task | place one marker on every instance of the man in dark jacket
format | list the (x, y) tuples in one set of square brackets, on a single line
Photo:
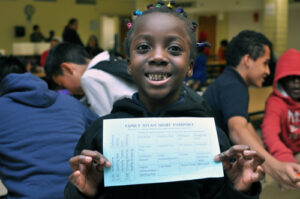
[(70, 32)]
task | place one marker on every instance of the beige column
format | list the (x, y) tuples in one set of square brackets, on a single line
[(276, 23)]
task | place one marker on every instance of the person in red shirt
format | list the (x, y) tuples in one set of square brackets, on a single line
[(281, 124), (54, 41), (203, 37)]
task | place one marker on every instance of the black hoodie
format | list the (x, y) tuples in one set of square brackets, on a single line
[(192, 106)]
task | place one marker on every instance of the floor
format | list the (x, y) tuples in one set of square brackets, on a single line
[(271, 189)]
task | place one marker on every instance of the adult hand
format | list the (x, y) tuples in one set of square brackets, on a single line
[(88, 171), (242, 165), (285, 173)]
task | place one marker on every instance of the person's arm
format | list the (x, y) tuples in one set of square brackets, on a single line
[(284, 173), (253, 132), (271, 129)]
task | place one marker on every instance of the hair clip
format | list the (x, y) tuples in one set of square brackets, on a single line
[(203, 44), (171, 4), (150, 6), (159, 3), (137, 12), (129, 25), (179, 10)]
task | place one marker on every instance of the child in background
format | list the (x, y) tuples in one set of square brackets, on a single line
[(222, 50), (160, 46), (198, 79), (281, 124), (54, 41)]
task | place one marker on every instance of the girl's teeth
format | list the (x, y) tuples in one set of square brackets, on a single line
[(157, 77)]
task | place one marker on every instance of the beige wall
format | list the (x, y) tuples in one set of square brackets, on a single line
[(293, 38), (239, 21), (54, 16)]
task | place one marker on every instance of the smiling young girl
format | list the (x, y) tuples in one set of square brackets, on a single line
[(161, 47)]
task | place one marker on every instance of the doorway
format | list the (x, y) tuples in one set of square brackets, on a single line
[(207, 25)]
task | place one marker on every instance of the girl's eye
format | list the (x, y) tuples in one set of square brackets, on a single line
[(175, 50), (143, 48)]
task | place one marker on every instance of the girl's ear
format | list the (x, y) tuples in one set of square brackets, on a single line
[(128, 66), (190, 69), (67, 68)]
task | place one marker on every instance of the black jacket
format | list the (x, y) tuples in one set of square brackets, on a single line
[(70, 35), (213, 188)]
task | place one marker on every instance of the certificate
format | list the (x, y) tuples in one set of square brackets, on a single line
[(154, 150)]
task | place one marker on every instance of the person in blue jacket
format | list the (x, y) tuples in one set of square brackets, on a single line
[(39, 129)]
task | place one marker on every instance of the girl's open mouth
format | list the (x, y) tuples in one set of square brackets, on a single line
[(157, 76)]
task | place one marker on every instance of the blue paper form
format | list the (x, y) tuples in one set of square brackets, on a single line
[(153, 150)]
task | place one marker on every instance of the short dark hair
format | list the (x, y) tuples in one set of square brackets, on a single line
[(9, 65), (35, 27), (64, 52), (224, 42), (246, 42), (72, 21), (164, 9)]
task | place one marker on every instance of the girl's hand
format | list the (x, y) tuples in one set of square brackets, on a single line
[(88, 171), (242, 165)]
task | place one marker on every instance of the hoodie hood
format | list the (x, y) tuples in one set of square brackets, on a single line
[(288, 64), (27, 89)]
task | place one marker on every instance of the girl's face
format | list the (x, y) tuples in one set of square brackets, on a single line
[(160, 59)]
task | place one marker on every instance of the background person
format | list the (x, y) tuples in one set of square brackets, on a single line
[(39, 129), (281, 123), (54, 41), (248, 57), (37, 36), (103, 80), (70, 32), (92, 46)]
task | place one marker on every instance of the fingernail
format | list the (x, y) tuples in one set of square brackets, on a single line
[(88, 158), (217, 158), (248, 152)]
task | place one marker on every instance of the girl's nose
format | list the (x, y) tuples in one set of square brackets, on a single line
[(158, 57)]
